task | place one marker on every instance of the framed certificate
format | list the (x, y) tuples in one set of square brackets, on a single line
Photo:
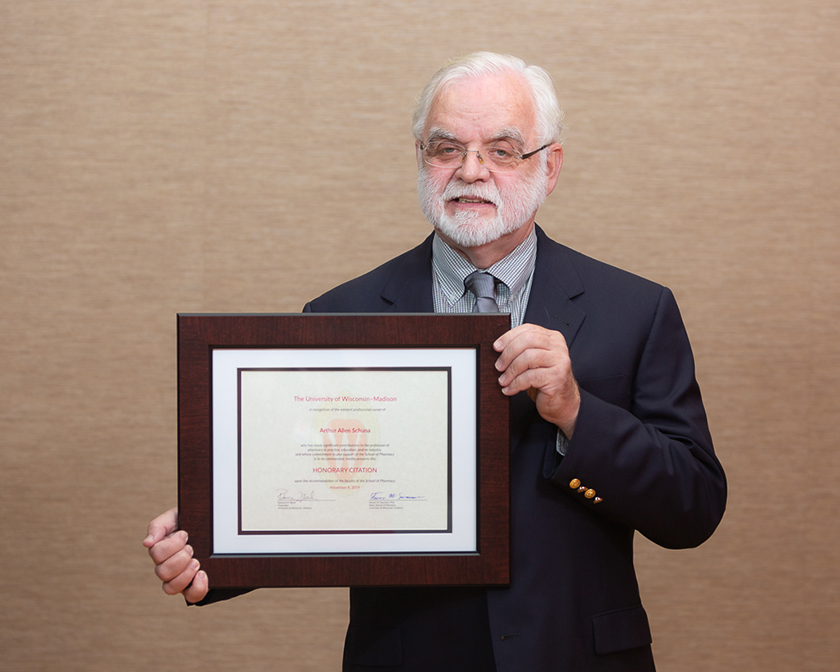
[(337, 450)]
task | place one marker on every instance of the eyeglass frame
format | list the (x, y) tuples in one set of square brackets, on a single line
[(520, 157)]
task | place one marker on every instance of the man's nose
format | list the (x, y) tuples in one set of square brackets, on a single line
[(472, 169)]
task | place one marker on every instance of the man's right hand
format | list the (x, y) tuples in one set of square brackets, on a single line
[(173, 558)]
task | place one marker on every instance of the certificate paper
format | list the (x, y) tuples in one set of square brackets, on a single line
[(344, 450)]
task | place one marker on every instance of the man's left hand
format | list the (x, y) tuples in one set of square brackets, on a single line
[(537, 360)]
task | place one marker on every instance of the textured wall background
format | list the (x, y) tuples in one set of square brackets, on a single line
[(205, 155)]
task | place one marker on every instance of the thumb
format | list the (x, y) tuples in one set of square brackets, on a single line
[(165, 524)]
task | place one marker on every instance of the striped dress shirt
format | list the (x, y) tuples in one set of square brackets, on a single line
[(515, 273)]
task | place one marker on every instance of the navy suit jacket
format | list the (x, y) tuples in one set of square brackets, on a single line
[(641, 442)]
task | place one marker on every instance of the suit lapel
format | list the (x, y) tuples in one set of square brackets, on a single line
[(409, 290), (555, 284)]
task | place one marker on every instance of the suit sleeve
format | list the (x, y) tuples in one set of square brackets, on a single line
[(651, 465), (219, 595)]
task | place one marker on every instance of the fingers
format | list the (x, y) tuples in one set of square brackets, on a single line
[(541, 369), (180, 574), (531, 357), (536, 360), (181, 580), (162, 526), (169, 548), (523, 337), (198, 589), (175, 565)]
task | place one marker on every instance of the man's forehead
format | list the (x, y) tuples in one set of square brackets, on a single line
[(490, 106)]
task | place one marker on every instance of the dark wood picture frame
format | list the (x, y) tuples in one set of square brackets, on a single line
[(200, 334)]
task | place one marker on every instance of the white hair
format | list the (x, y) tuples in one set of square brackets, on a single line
[(549, 121)]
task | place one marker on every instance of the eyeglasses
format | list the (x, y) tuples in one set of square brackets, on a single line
[(499, 157)]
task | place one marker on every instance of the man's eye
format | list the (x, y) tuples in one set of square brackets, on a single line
[(501, 153), (447, 150)]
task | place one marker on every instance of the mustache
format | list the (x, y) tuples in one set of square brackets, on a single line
[(484, 191)]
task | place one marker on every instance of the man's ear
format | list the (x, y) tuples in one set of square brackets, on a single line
[(553, 165), (418, 154)]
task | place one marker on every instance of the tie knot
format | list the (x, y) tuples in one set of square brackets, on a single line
[(483, 287)]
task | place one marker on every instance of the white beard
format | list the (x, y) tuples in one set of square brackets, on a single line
[(514, 209)]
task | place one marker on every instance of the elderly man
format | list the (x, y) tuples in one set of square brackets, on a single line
[(608, 430)]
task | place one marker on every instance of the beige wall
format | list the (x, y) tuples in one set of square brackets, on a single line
[(197, 155)]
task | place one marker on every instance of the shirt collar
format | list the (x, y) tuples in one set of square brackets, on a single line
[(514, 270)]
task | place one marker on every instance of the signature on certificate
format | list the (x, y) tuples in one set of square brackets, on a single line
[(286, 495), (395, 496)]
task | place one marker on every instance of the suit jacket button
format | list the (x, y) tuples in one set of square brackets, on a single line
[(589, 494), (598, 500), (574, 483)]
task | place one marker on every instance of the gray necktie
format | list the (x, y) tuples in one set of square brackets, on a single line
[(483, 286)]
